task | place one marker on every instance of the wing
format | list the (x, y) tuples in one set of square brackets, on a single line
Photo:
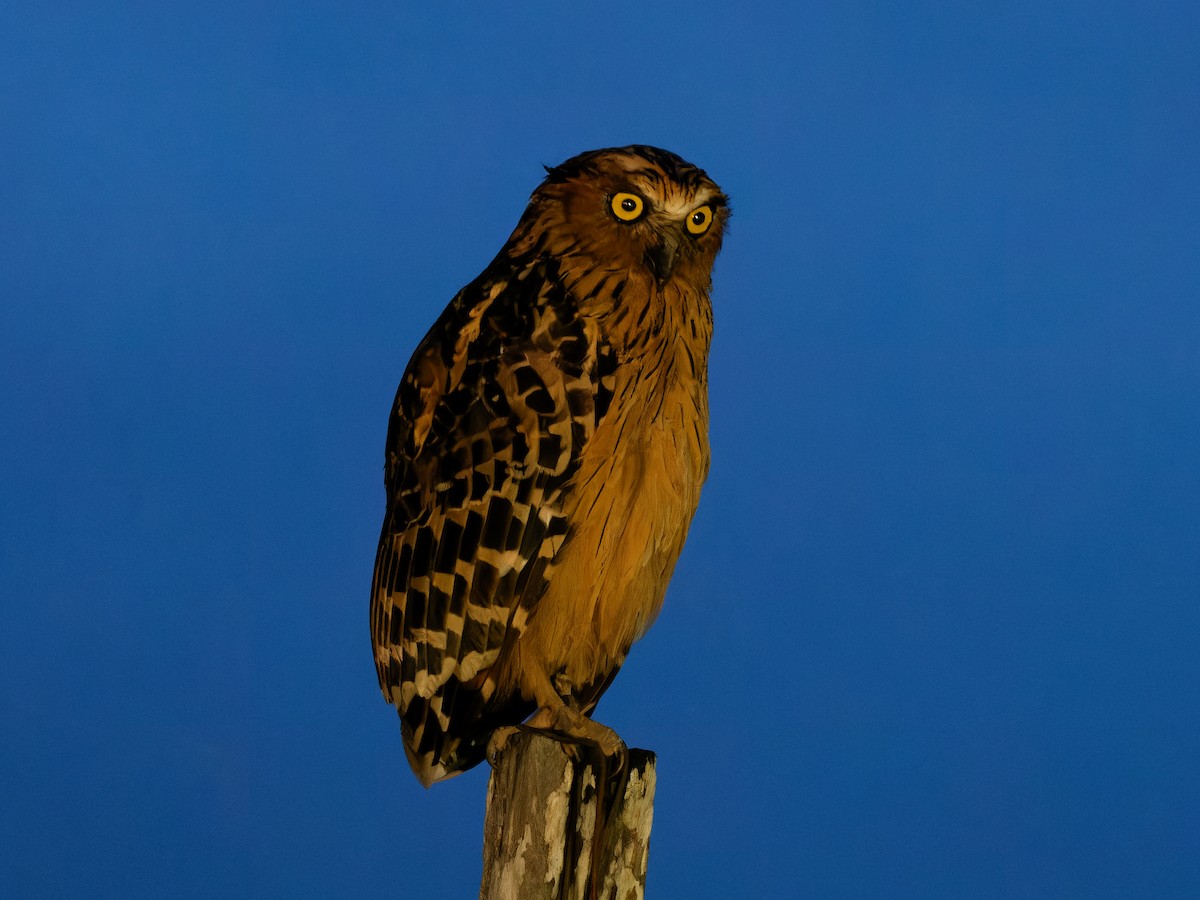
[(485, 437)]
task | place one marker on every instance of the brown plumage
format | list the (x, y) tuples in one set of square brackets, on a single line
[(545, 456)]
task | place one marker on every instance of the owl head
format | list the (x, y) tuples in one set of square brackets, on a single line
[(637, 209)]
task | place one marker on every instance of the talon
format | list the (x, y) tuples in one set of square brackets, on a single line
[(573, 723), (498, 742)]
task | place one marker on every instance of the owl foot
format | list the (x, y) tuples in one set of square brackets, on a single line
[(564, 722), (568, 720), (498, 742)]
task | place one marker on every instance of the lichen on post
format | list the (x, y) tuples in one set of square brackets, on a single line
[(546, 817)]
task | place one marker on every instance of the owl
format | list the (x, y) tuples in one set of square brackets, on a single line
[(544, 459)]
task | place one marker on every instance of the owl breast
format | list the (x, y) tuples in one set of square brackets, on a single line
[(637, 489)]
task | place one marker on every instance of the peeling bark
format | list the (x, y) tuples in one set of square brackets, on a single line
[(541, 823)]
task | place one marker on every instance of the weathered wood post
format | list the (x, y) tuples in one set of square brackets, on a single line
[(540, 831)]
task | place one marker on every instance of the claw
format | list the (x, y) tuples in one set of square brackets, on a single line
[(570, 721), (498, 741)]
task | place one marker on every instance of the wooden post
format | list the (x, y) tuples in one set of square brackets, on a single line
[(539, 831)]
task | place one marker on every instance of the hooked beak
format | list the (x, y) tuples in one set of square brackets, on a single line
[(660, 259)]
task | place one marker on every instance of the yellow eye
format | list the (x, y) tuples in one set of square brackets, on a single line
[(627, 207), (699, 220)]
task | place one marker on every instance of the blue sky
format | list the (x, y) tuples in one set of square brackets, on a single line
[(935, 630)]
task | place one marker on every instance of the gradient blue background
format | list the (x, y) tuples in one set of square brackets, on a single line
[(935, 633)]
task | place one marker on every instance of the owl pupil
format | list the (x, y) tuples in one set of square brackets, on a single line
[(628, 205), (698, 218)]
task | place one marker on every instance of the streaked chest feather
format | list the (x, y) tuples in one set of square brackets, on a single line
[(636, 492)]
